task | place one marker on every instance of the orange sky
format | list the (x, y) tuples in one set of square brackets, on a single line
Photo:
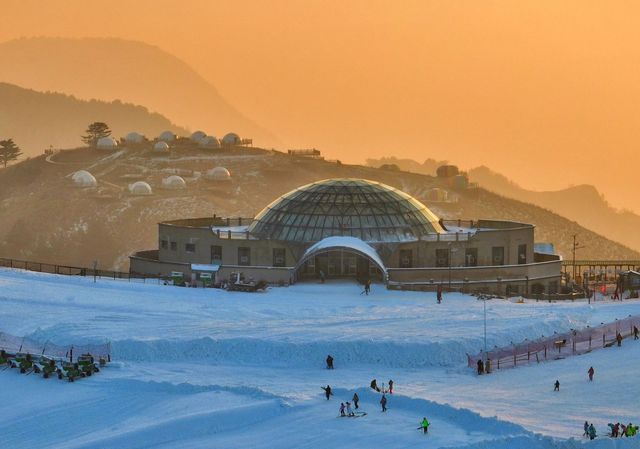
[(546, 92)]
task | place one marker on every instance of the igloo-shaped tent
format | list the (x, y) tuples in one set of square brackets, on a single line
[(107, 143), (161, 146), (231, 139), (140, 188), (134, 137), (219, 174), (83, 178), (174, 182), (197, 136), (209, 142), (167, 136)]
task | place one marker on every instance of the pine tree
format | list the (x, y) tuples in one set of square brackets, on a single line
[(9, 151), (95, 132)]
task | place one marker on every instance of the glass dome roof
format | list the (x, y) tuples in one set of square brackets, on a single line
[(368, 210)]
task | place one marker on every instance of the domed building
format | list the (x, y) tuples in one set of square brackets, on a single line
[(218, 174), (231, 139), (209, 142), (161, 146), (197, 136), (134, 137), (83, 178), (356, 228), (140, 188), (174, 182), (167, 136), (107, 143)]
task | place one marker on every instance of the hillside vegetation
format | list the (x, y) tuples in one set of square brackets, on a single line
[(39, 120), (45, 217)]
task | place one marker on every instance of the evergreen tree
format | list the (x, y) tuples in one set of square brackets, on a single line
[(95, 132), (9, 151)]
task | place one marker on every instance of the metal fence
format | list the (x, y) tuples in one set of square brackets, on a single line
[(12, 344), (43, 267), (556, 346)]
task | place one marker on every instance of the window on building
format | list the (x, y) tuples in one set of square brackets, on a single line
[(497, 255), (164, 244), (522, 254), (216, 254), (244, 256), (279, 258), (190, 247), (442, 257), (174, 246), (406, 258), (471, 257)]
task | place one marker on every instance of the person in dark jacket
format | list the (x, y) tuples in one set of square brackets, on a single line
[(556, 386), (635, 332), (327, 391), (355, 400), (619, 339), (383, 403), (591, 372), (374, 385), (480, 367), (390, 386), (329, 362)]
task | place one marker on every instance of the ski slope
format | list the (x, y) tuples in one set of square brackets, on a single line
[(200, 368)]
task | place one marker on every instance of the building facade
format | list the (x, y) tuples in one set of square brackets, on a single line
[(360, 229)]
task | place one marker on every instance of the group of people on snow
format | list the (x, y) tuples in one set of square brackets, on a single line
[(383, 390), (620, 430)]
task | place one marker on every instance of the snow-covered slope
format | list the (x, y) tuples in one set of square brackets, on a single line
[(213, 369)]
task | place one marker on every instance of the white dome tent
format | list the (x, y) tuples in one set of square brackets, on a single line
[(209, 142), (83, 178), (197, 136), (134, 137), (107, 143), (167, 136), (231, 139), (161, 146), (219, 174), (174, 182), (140, 188)]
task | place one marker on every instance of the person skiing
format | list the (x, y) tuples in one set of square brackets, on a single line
[(329, 362), (556, 386), (327, 391), (619, 339), (390, 386), (425, 425), (342, 409), (586, 429), (355, 400), (374, 385), (635, 332), (480, 367), (367, 287), (591, 372), (349, 411), (592, 432), (615, 430), (439, 293), (383, 403)]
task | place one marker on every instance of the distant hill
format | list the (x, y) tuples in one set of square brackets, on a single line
[(44, 217), (582, 203), (37, 120), (115, 69)]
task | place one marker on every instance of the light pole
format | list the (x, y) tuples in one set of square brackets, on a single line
[(484, 306), (451, 251)]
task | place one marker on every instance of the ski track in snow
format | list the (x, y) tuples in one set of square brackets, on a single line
[(208, 369)]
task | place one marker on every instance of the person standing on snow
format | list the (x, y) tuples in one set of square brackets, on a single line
[(635, 332), (329, 362), (592, 432), (349, 411), (383, 403), (367, 287), (355, 400), (619, 339), (342, 409), (591, 372), (480, 367), (390, 386), (425, 425), (556, 386), (586, 429), (439, 293), (327, 391)]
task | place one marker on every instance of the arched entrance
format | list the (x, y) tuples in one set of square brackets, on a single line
[(340, 257)]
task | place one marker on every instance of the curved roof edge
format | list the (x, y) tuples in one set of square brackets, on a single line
[(344, 242)]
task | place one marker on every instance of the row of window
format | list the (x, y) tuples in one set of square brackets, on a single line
[(244, 253), (470, 256)]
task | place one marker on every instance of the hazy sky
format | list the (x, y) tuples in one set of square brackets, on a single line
[(547, 92)]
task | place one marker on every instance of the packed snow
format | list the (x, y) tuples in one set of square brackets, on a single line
[(206, 368)]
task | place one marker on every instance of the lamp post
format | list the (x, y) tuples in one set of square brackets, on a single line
[(451, 251), (484, 307)]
